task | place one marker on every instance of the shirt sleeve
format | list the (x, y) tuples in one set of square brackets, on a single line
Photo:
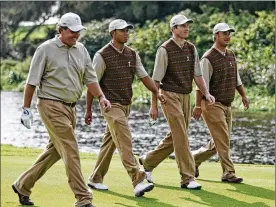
[(160, 65), (90, 75), (37, 66), (239, 82), (197, 69), (140, 70), (207, 71), (99, 65)]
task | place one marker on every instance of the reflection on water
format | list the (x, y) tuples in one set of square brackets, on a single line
[(252, 137)]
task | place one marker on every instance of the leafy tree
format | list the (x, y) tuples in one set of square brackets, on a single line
[(14, 12)]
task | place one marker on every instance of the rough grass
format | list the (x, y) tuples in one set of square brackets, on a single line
[(52, 189)]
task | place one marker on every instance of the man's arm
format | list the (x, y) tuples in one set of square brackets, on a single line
[(94, 89), (150, 85), (28, 95), (197, 110), (27, 117), (245, 100), (88, 113), (202, 87)]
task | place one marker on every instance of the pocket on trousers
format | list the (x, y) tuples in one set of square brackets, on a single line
[(214, 113)]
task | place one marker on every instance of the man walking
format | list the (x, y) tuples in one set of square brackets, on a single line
[(59, 68), (222, 78), (116, 65), (176, 66)]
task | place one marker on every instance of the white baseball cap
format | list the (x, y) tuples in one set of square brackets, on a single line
[(178, 20), (72, 21), (222, 27), (119, 24)]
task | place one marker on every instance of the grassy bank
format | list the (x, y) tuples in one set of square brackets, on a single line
[(52, 189)]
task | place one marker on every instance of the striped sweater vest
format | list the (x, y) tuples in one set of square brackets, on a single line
[(118, 77), (180, 70), (224, 78)]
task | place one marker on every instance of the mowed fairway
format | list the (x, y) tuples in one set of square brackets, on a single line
[(52, 190)]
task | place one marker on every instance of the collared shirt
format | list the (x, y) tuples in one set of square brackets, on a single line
[(100, 66), (207, 70), (161, 63), (60, 72)]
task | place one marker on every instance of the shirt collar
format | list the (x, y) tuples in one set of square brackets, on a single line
[(181, 46), (120, 51), (223, 53)]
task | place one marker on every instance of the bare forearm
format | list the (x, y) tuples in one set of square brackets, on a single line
[(198, 98), (153, 87), (89, 101), (241, 91), (95, 90), (28, 95), (200, 82), (154, 96), (149, 83)]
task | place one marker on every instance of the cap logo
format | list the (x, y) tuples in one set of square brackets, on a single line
[(77, 20)]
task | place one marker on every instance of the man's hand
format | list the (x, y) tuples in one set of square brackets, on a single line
[(88, 117), (210, 99), (161, 98), (245, 102), (105, 104), (27, 117), (153, 112), (197, 113)]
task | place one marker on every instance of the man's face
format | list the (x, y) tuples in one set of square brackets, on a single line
[(223, 38), (69, 37), (181, 31), (121, 35)]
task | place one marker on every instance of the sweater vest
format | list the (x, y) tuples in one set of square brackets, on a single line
[(224, 78), (118, 77), (180, 70)]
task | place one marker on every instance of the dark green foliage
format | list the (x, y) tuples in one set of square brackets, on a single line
[(14, 74), (253, 41), (96, 36)]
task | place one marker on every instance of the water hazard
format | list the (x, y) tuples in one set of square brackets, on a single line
[(253, 135)]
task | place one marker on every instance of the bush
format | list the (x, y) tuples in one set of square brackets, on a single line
[(14, 74), (96, 36)]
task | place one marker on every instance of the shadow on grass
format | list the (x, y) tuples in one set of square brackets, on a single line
[(213, 199), (247, 189), (141, 201)]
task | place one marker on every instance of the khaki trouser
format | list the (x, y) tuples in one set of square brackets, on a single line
[(60, 121), (177, 111), (219, 121), (118, 136)]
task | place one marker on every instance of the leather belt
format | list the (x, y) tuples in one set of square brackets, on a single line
[(67, 104)]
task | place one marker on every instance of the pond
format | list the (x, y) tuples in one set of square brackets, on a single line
[(253, 134)]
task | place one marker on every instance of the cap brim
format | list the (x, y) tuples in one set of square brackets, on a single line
[(77, 28), (225, 30), (183, 22), (129, 26)]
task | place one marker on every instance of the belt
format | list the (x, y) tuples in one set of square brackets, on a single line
[(67, 104)]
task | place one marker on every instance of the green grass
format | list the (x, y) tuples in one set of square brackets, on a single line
[(52, 189)]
